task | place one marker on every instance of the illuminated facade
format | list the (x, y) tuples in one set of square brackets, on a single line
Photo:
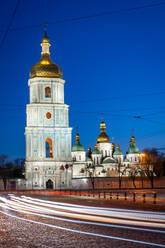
[(104, 160), (51, 163), (48, 135)]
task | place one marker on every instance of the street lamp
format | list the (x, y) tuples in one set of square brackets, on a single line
[(142, 156)]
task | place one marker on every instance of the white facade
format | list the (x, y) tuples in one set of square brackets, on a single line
[(48, 135), (104, 160), (79, 156), (50, 164), (105, 149), (133, 158)]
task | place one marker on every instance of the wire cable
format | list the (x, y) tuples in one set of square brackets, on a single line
[(10, 23), (105, 13), (117, 97)]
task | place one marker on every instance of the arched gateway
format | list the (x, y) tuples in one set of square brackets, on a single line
[(49, 184)]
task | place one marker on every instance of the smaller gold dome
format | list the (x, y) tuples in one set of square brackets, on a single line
[(45, 67), (103, 137), (132, 141), (89, 149), (118, 147), (96, 146), (77, 137), (113, 146)]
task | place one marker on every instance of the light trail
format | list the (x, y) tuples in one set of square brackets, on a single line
[(82, 222), (85, 217), (131, 216), (47, 210), (91, 207), (82, 232), (34, 208), (107, 211), (92, 217)]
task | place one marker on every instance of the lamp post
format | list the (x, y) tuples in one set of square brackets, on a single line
[(66, 167), (61, 169), (142, 156)]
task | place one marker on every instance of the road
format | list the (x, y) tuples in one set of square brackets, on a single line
[(33, 222)]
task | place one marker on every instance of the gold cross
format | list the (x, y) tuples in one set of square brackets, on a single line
[(45, 26)]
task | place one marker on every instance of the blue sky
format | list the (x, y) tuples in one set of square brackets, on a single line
[(111, 63)]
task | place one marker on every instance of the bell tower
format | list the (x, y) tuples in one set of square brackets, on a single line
[(48, 135)]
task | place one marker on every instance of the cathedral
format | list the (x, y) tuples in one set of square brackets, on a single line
[(51, 161), (104, 160)]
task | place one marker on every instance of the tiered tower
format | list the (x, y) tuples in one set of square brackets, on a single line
[(48, 135)]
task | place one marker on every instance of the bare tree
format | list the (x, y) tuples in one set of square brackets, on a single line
[(5, 174), (10, 170), (121, 171), (3, 158), (90, 169), (19, 162), (152, 164), (134, 171)]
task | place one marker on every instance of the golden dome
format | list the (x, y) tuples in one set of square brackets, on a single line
[(132, 141), (45, 67), (118, 147), (113, 146), (96, 146), (77, 137), (103, 137), (89, 149)]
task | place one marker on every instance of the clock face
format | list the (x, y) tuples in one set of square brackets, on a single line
[(48, 115)]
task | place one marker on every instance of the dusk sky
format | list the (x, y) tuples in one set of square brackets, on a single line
[(113, 62)]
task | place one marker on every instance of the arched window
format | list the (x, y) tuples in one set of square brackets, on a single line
[(47, 92), (74, 158), (49, 151)]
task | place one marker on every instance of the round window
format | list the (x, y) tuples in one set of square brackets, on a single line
[(48, 115)]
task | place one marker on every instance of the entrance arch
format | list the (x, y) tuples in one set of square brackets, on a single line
[(49, 184)]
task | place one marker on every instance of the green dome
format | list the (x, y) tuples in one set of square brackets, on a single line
[(77, 148), (108, 160), (96, 152), (133, 149), (117, 152)]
